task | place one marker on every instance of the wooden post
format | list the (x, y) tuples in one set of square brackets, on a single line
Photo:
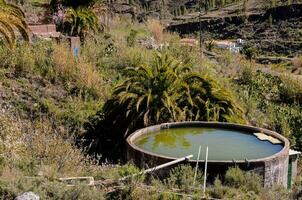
[(205, 173), (196, 166)]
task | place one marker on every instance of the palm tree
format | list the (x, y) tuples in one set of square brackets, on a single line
[(73, 3), (12, 18), (169, 91), (80, 18), (81, 21), (164, 91)]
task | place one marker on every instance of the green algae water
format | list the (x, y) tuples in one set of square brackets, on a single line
[(224, 144)]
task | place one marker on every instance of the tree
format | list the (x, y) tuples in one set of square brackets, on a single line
[(164, 91), (73, 3), (79, 16), (12, 18), (81, 21)]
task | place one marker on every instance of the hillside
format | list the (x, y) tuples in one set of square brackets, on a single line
[(271, 33), (67, 115)]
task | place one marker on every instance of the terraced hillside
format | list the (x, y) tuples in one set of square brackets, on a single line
[(271, 33)]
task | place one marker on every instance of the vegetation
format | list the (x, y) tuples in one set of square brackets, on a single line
[(62, 116), (11, 17), (79, 17), (161, 91), (81, 21), (73, 3)]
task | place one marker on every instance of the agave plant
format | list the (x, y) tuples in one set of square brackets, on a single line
[(81, 21), (12, 18)]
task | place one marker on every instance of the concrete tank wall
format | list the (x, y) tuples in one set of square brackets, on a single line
[(273, 169)]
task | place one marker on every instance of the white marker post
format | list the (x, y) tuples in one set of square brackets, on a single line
[(196, 166), (205, 173)]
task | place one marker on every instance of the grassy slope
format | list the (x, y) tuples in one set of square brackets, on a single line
[(48, 98)]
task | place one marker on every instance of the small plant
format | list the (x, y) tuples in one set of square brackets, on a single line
[(217, 190), (131, 39), (248, 181), (182, 177), (128, 170), (249, 51), (210, 45), (291, 89), (270, 20), (247, 73)]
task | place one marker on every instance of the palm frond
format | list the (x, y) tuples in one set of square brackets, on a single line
[(12, 18)]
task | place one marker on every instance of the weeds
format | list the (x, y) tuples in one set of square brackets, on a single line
[(156, 29)]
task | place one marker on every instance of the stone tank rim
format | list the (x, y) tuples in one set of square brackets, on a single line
[(151, 129)]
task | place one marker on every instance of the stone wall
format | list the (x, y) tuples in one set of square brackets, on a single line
[(44, 30), (276, 171)]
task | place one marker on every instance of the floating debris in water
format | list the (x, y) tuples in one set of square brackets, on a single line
[(262, 136)]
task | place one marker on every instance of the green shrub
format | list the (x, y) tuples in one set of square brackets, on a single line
[(182, 177), (249, 51), (247, 73), (131, 39), (235, 177), (291, 89), (217, 190), (128, 170), (247, 181)]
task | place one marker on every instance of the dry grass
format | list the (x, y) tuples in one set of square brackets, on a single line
[(292, 87), (23, 142), (297, 65), (11, 140), (80, 72), (156, 29), (297, 62)]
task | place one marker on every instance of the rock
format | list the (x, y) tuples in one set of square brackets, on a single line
[(149, 43), (28, 196)]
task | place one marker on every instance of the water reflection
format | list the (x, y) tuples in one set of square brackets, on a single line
[(172, 138), (224, 144)]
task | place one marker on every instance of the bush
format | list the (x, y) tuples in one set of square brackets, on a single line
[(182, 177), (235, 177), (20, 59), (131, 39), (247, 181), (291, 89), (249, 51), (217, 190), (130, 171), (247, 73)]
